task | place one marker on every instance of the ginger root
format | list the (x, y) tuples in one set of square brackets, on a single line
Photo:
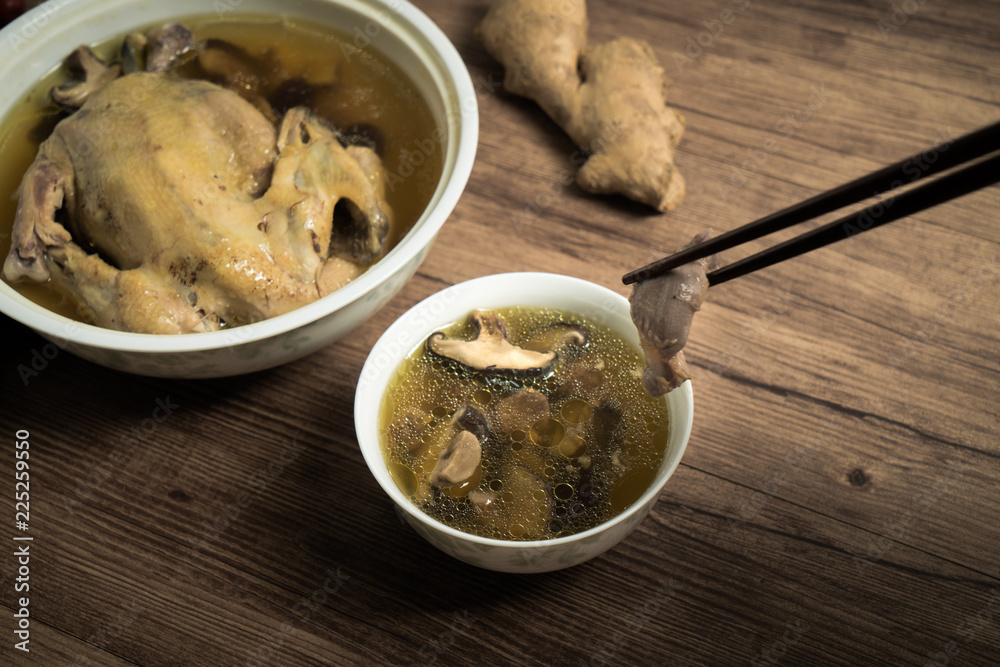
[(610, 99)]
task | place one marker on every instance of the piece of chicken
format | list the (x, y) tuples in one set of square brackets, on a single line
[(662, 310), (184, 210)]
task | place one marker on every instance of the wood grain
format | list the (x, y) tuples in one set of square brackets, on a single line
[(837, 504)]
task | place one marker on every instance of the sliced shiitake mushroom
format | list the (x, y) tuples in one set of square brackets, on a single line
[(528, 504), (607, 431), (490, 511), (133, 53), (292, 93), (458, 461), (90, 74), (580, 380), (469, 417), (558, 337), (408, 430), (364, 134), (490, 351), (232, 67), (520, 410), (451, 457), (522, 511)]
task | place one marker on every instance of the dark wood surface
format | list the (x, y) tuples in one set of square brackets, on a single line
[(838, 501)]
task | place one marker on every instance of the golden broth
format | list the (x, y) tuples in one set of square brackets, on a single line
[(367, 89), (594, 453)]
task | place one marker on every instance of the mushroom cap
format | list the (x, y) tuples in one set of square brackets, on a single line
[(490, 350), (458, 461), (92, 74)]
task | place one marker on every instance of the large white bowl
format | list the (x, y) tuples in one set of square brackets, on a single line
[(38, 41), (454, 304)]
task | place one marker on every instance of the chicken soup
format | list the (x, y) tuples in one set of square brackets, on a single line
[(198, 176), (523, 424)]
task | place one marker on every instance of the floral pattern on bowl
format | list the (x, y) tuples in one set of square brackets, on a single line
[(452, 304), (410, 39)]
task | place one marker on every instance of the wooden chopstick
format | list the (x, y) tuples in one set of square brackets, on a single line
[(944, 156)]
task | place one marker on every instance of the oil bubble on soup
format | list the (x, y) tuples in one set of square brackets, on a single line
[(523, 424)]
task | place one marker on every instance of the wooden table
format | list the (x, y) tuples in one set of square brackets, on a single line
[(838, 500)]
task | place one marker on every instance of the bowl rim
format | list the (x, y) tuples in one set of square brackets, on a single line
[(680, 401), (438, 55)]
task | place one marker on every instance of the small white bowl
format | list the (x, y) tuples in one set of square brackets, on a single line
[(454, 304), (39, 40)]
